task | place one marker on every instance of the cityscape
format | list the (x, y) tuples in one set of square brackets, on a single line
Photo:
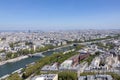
[(49, 55), (59, 40)]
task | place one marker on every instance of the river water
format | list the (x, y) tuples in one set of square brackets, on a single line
[(11, 67)]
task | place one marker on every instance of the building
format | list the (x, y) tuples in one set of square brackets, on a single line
[(53, 67), (96, 77), (46, 77), (95, 63), (66, 64), (112, 62)]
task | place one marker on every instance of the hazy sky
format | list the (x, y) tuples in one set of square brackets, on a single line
[(59, 14)]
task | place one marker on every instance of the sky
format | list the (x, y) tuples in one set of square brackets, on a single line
[(59, 14)]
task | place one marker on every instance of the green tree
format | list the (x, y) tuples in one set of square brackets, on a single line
[(14, 76), (67, 75)]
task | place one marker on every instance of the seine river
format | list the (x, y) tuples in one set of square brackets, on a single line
[(11, 67)]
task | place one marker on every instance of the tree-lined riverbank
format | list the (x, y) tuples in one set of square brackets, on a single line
[(13, 60)]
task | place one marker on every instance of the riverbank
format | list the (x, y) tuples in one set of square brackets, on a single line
[(26, 56), (13, 60)]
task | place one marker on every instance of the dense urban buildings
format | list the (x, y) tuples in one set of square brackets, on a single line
[(81, 52), (59, 39)]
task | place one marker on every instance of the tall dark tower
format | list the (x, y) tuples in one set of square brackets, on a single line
[(29, 31)]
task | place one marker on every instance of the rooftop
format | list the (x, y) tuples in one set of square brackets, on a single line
[(44, 77), (95, 77)]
